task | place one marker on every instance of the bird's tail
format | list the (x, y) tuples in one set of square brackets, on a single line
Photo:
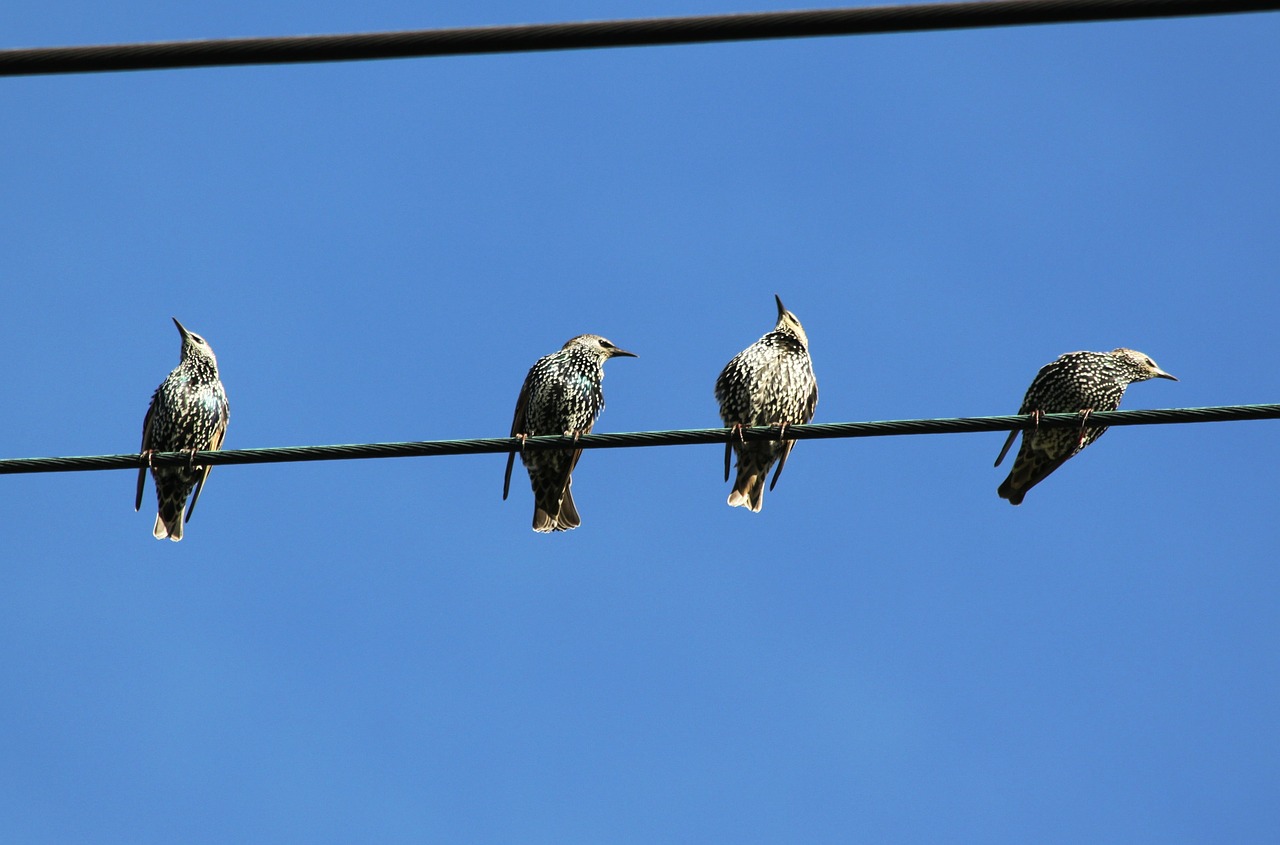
[(1008, 490), (170, 528), (748, 487), (169, 517), (555, 511), (1029, 469)]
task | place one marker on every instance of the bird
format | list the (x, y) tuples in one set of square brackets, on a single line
[(771, 382), (188, 413), (1076, 382), (562, 394)]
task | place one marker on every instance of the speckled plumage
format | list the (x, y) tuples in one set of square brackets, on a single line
[(770, 382), (562, 394), (188, 412), (1077, 382)]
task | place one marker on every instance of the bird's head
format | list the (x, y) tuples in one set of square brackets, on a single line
[(788, 322), (194, 347), (1139, 365), (599, 346)]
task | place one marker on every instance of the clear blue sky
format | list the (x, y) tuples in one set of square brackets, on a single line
[(382, 651)]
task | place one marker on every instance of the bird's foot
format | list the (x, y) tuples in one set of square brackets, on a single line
[(145, 457), (191, 459), (1084, 416)]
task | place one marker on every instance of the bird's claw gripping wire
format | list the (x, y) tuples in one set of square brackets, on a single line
[(1084, 417)]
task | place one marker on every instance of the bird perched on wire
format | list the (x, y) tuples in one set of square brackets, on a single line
[(1077, 382), (188, 413), (770, 382), (562, 394)]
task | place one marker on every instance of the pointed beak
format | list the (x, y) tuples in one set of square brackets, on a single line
[(782, 309), (1163, 374), (622, 353), (181, 328)]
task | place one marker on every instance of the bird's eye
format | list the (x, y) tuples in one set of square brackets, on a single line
[(606, 344)]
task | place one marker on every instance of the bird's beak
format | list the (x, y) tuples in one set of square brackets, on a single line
[(181, 328), (1163, 374), (622, 353), (782, 309)]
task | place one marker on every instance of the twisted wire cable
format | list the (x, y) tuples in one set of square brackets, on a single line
[(623, 440)]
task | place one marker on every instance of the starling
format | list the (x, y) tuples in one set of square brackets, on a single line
[(562, 394), (188, 413), (769, 383), (1077, 382)]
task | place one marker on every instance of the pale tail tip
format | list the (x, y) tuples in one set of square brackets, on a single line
[(738, 500), (163, 532)]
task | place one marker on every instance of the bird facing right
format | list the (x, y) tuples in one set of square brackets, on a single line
[(188, 413), (770, 382), (562, 394), (1077, 382)]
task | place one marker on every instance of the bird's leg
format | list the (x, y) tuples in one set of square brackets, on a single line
[(146, 456), (1084, 416), (522, 437), (191, 459), (1036, 416), (782, 430), (737, 429)]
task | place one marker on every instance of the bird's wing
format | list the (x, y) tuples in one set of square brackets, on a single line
[(518, 426), (146, 437), (215, 443), (810, 403), (1007, 444), (1027, 407), (577, 453), (782, 461)]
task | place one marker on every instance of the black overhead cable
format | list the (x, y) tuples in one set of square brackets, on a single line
[(922, 17), (690, 437)]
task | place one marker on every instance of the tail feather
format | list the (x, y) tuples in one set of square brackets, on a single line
[(754, 463), (171, 530), (1030, 468), (1006, 490), (172, 492), (554, 508), (748, 488), (548, 518)]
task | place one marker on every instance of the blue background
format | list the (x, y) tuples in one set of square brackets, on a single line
[(383, 651)]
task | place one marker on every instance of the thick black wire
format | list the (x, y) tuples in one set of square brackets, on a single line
[(689, 437), (921, 17)]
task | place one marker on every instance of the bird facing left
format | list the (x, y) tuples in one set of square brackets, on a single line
[(188, 413)]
